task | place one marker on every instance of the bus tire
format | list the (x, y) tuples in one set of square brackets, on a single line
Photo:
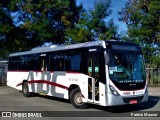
[(25, 90), (76, 99)]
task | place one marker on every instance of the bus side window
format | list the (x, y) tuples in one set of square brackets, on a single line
[(61, 64), (12, 63), (75, 60), (67, 63), (56, 61)]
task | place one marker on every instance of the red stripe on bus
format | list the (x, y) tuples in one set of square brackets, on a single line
[(18, 84), (47, 82)]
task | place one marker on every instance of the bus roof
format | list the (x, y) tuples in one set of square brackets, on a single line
[(58, 48), (72, 46)]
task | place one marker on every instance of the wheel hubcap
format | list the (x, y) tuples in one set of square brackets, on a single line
[(78, 98)]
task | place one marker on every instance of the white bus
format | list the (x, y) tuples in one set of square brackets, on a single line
[(105, 73)]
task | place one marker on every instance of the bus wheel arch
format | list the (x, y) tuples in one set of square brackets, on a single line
[(76, 96), (25, 89)]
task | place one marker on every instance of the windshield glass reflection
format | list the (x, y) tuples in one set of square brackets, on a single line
[(126, 67)]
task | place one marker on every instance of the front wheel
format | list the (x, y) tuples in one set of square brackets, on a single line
[(76, 98), (25, 90)]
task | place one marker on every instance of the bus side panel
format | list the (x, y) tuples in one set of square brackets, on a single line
[(60, 85), (14, 79), (34, 80), (57, 83), (54, 84), (102, 92), (66, 81)]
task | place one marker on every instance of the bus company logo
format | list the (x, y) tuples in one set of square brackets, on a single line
[(126, 93)]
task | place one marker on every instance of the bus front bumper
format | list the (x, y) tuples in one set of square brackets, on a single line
[(113, 100)]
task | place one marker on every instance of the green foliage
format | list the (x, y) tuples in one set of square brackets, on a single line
[(143, 20), (46, 20), (92, 25), (25, 24), (80, 32), (111, 32), (12, 38), (5, 20)]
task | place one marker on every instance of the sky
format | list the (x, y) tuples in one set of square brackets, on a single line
[(116, 6)]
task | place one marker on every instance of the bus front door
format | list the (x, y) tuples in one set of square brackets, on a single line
[(93, 80)]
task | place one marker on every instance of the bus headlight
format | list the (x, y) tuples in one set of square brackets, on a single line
[(113, 90)]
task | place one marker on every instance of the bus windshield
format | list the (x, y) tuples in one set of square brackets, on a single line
[(126, 67)]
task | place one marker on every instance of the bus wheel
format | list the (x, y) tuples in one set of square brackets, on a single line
[(76, 99), (25, 90)]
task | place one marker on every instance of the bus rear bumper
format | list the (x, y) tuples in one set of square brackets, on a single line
[(113, 100)]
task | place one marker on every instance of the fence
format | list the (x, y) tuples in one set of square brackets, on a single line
[(153, 76)]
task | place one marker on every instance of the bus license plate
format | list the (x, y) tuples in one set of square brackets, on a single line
[(133, 102)]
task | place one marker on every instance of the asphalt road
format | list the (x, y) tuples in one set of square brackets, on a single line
[(12, 100)]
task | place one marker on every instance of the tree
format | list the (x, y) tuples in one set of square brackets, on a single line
[(6, 25), (12, 37), (25, 24), (46, 20), (143, 20), (92, 25)]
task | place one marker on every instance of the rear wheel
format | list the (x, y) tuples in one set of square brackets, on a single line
[(76, 98), (25, 90)]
